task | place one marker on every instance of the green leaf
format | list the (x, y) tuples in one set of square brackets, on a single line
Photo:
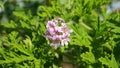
[(37, 63), (104, 60), (24, 25), (28, 44), (109, 62), (116, 30), (114, 63), (12, 24), (21, 15), (88, 57)]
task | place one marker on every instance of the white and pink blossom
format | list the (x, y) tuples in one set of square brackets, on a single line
[(58, 33)]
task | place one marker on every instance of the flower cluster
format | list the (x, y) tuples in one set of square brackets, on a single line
[(58, 32)]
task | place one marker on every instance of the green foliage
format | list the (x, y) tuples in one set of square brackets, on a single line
[(110, 63), (94, 42)]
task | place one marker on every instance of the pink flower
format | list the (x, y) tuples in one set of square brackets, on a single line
[(58, 32), (65, 41), (55, 44)]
